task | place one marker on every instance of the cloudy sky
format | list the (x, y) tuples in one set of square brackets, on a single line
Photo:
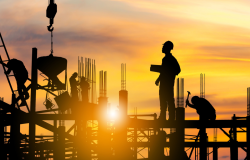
[(209, 36)]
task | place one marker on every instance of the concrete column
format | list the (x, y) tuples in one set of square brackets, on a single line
[(15, 137), (248, 136), (61, 143), (215, 153), (203, 140), (177, 151), (233, 139)]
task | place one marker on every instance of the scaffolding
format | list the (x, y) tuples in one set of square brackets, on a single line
[(92, 136)]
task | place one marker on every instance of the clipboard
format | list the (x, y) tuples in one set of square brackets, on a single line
[(155, 68)]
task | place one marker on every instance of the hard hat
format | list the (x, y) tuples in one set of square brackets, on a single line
[(169, 44)]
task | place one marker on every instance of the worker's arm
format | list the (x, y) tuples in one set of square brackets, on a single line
[(8, 65), (8, 71), (158, 80), (1, 62), (190, 105)]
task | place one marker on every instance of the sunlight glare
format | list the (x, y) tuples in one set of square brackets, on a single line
[(112, 114)]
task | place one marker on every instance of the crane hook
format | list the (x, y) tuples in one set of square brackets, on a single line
[(49, 28)]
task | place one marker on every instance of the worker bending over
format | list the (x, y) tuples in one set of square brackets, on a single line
[(205, 110)]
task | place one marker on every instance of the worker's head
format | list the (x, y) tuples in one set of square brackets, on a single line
[(195, 99), (167, 47), (74, 75)]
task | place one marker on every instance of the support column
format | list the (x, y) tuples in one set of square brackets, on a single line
[(248, 136), (14, 135), (178, 151), (32, 125), (215, 153), (203, 140), (61, 143), (135, 141), (55, 141), (2, 148), (233, 139)]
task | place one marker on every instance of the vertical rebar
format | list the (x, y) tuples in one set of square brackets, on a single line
[(100, 84), (183, 92), (86, 68), (200, 85), (82, 66), (204, 85), (248, 101), (178, 93), (78, 70), (125, 77), (105, 83), (92, 88), (121, 75), (95, 81)]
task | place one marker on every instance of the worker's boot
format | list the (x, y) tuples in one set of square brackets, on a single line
[(162, 116)]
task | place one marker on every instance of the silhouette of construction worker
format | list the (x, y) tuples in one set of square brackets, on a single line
[(73, 84), (21, 75), (205, 110), (169, 69), (84, 85)]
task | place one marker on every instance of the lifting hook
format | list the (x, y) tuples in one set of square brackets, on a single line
[(49, 28)]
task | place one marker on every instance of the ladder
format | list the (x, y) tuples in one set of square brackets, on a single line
[(7, 76)]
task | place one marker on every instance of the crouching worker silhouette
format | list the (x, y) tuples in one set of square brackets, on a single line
[(205, 110), (21, 75)]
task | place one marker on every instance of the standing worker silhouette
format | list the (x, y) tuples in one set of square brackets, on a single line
[(21, 75), (169, 69), (73, 84)]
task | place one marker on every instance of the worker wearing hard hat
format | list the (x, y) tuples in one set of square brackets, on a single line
[(169, 69), (203, 107)]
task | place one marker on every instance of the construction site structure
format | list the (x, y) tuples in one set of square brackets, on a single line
[(91, 136)]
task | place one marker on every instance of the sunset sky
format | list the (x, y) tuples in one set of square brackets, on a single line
[(209, 36)]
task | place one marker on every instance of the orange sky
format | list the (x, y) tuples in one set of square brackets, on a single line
[(209, 36)]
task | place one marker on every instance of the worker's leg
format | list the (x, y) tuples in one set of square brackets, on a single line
[(22, 90), (171, 109), (163, 104), (21, 94), (25, 92), (171, 104)]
